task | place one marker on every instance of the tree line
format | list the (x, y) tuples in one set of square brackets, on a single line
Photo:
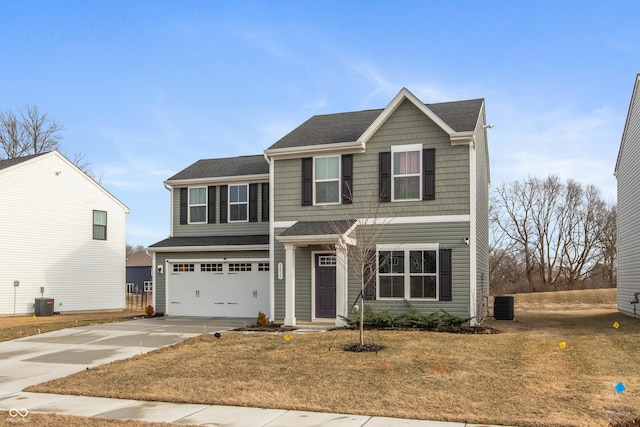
[(546, 234)]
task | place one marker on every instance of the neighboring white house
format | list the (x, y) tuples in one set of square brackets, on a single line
[(628, 174), (63, 237)]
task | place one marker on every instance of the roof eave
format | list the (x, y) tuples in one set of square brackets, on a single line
[(216, 248), (463, 138), (636, 89), (215, 180), (318, 149)]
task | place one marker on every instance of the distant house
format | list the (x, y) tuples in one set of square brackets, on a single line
[(139, 278), (265, 232), (63, 237), (628, 174)]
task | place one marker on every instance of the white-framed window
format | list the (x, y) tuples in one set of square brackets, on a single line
[(99, 225), (197, 205), (327, 261), (130, 288), (239, 203), (182, 268), (239, 266), (326, 180), (408, 271), (406, 172), (148, 286), (263, 266), (215, 267)]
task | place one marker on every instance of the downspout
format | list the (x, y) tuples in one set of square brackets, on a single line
[(272, 293)]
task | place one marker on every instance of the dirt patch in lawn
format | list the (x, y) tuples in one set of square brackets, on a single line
[(546, 368)]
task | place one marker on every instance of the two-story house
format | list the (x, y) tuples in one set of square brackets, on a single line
[(425, 168)]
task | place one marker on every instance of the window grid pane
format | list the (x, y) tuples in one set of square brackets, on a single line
[(417, 279), (238, 203), (327, 179)]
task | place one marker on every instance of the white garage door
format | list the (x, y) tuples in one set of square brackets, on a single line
[(217, 289)]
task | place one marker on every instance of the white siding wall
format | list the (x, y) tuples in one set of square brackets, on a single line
[(46, 227), (628, 174)]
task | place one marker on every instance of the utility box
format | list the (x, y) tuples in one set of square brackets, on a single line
[(503, 308), (44, 306)]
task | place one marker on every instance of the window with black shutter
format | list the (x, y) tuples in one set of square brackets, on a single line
[(211, 203), (253, 202), (385, 176), (307, 181), (224, 194), (347, 179), (265, 202), (445, 275), (184, 203)]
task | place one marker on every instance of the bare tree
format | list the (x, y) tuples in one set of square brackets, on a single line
[(360, 247), (33, 132)]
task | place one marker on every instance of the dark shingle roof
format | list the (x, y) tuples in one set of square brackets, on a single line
[(318, 228), (171, 242), (461, 116), (10, 162), (219, 168)]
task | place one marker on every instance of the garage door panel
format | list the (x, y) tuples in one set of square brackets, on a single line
[(203, 292)]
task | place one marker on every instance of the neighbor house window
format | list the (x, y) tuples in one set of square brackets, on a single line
[(408, 272), (197, 205), (238, 203), (148, 286), (326, 179), (99, 225), (406, 172)]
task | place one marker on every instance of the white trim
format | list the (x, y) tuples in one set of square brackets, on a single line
[(351, 147), (416, 219), (408, 148), (310, 239), (229, 220), (274, 269), (315, 181), (212, 260), (216, 248), (283, 224), (473, 235), (218, 180)]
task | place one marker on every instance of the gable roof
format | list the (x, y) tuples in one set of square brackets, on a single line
[(358, 126), (634, 105), (139, 259), (23, 161), (190, 243), (224, 168), (11, 162)]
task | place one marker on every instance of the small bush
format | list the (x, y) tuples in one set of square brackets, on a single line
[(149, 310), (262, 319)]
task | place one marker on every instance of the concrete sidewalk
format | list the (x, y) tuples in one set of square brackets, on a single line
[(33, 360)]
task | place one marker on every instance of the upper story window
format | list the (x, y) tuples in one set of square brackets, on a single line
[(197, 205), (406, 172), (99, 225), (238, 203), (326, 180)]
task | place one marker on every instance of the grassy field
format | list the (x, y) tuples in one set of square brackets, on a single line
[(557, 364)]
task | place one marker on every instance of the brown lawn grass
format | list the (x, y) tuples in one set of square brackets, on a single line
[(23, 326), (55, 420), (518, 377)]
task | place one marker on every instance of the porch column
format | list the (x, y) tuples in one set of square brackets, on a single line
[(290, 285), (342, 277)]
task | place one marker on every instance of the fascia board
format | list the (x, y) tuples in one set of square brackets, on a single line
[(209, 248), (217, 180), (393, 106), (309, 239), (310, 150), (463, 138), (634, 96)]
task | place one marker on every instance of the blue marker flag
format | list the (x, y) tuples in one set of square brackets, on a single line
[(620, 388)]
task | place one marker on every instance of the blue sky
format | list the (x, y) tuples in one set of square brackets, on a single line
[(145, 88)]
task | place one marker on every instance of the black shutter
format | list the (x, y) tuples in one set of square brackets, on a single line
[(429, 174), (184, 204), (253, 202), (265, 202), (347, 179), (307, 181), (224, 194), (370, 272), (445, 275), (385, 176), (211, 203)]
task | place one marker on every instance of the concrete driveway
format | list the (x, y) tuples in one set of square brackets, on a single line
[(32, 360)]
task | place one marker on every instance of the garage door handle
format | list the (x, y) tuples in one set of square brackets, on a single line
[(255, 294)]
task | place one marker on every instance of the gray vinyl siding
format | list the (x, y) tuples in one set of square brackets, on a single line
[(217, 229), (447, 235), (482, 220), (162, 257), (628, 175), (407, 125)]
